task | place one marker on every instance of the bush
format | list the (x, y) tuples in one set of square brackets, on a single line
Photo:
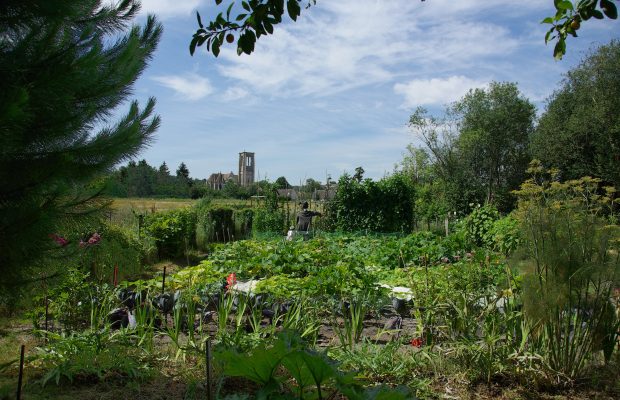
[(266, 220), (91, 356), (174, 231), (214, 225), (383, 206), (479, 223), (504, 236)]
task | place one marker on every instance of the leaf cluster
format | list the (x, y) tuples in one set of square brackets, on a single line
[(287, 368), (257, 19), (568, 17)]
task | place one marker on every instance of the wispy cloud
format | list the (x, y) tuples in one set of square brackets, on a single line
[(190, 87), (235, 93), (170, 8), (435, 91), (345, 44)]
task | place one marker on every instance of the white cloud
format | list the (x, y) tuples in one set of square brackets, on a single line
[(235, 93), (345, 44), (170, 8), (189, 87), (435, 91)]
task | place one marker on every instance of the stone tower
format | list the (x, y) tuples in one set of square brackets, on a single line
[(246, 168)]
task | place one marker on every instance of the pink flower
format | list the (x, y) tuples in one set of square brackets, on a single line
[(94, 239), (417, 342), (59, 239)]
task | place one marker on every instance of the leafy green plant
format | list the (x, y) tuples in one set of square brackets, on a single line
[(573, 266), (313, 374), (90, 355), (349, 332), (174, 231), (504, 235), (479, 223)]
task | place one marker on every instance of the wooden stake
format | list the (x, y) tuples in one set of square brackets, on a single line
[(47, 316), (21, 373), (163, 282), (208, 363)]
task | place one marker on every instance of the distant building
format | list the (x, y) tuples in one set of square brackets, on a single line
[(247, 166), (325, 194), (290, 194), (218, 180)]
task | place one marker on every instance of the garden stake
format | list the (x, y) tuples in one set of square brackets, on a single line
[(46, 310), (115, 278), (208, 363), (163, 282), (21, 373), (46, 316)]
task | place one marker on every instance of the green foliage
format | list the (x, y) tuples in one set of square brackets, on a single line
[(91, 355), (65, 68), (257, 19), (573, 266), (479, 225), (383, 206), (214, 225), (70, 300), (143, 180), (495, 128), (312, 373), (505, 235), (174, 231), (579, 132), (568, 17), (269, 220)]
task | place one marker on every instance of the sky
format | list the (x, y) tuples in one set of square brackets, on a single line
[(334, 90)]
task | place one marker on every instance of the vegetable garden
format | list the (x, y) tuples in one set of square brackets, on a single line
[(342, 315)]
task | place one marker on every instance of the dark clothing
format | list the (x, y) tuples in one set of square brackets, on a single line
[(304, 220)]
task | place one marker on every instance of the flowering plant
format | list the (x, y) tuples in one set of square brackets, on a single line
[(417, 342), (59, 239), (231, 280), (94, 239)]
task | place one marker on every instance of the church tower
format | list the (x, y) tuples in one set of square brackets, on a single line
[(246, 168)]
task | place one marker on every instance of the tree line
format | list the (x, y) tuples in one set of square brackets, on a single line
[(478, 150)]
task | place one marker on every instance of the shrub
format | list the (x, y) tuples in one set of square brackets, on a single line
[(504, 235), (89, 356), (479, 223), (266, 220), (214, 225), (383, 206), (173, 231)]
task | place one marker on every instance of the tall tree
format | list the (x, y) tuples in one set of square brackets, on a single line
[(495, 129), (163, 169), (282, 183), (479, 149), (579, 132), (182, 171), (64, 67), (359, 174)]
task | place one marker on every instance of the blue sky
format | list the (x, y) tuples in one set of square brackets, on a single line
[(334, 90)]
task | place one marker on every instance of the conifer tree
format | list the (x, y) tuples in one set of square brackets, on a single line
[(163, 169), (64, 67)]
